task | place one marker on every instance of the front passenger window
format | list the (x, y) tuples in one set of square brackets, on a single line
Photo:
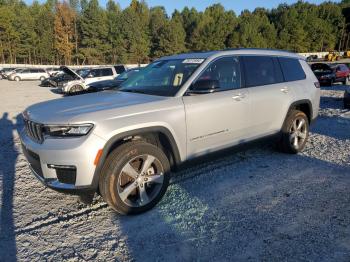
[(226, 71)]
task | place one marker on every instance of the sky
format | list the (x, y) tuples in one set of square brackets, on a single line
[(200, 5)]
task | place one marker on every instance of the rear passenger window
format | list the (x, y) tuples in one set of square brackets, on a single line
[(226, 70), (106, 72), (261, 70), (291, 69)]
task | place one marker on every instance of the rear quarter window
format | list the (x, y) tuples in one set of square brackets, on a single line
[(291, 68), (119, 69)]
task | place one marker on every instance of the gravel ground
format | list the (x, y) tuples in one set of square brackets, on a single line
[(251, 203)]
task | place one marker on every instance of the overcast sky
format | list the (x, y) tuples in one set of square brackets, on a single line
[(236, 5)]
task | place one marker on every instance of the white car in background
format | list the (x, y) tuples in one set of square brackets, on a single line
[(29, 74), (53, 70), (81, 81)]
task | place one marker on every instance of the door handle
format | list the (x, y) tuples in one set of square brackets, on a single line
[(285, 90), (238, 97)]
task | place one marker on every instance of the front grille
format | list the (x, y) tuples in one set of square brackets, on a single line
[(34, 131)]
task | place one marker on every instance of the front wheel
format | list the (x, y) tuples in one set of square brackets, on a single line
[(134, 177), (76, 89), (17, 79), (42, 78), (295, 132)]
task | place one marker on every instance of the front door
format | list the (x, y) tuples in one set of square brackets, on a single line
[(217, 120)]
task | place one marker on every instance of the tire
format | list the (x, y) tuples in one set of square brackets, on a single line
[(42, 78), (76, 89), (123, 190), (17, 79), (295, 132), (347, 81)]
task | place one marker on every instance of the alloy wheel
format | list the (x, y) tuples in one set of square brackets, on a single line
[(140, 180), (298, 132)]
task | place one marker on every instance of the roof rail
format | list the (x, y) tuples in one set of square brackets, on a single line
[(261, 49)]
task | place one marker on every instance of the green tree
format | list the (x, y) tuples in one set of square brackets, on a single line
[(213, 28), (94, 32)]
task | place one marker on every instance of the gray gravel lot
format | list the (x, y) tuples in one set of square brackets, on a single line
[(247, 204)]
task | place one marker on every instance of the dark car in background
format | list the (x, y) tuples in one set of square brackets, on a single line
[(115, 83), (330, 74), (324, 73)]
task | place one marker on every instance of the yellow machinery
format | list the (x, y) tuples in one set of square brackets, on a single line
[(346, 54), (333, 56)]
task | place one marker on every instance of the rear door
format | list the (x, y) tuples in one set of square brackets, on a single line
[(270, 95), (217, 120)]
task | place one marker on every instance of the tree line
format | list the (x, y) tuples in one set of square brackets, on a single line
[(83, 32)]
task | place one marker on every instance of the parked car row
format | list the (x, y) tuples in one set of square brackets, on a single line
[(72, 82), (19, 74)]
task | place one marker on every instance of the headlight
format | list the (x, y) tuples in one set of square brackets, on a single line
[(67, 131)]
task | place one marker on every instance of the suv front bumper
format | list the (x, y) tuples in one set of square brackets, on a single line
[(79, 153)]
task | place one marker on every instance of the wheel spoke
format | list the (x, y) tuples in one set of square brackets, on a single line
[(127, 191), (143, 195), (295, 125), (295, 143), (130, 171), (301, 124), (292, 137), (155, 179), (147, 163)]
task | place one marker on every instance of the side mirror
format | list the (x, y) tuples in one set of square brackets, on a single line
[(204, 86)]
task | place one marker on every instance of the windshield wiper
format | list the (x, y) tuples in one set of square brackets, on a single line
[(132, 91)]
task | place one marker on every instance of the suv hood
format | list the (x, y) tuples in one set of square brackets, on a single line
[(64, 110), (70, 72)]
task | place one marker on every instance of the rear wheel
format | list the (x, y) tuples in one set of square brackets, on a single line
[(42, 78), (134, 177), (295, 132)]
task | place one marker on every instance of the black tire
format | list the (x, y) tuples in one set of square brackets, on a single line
[(288, 134), (76, 89), (111, 177)]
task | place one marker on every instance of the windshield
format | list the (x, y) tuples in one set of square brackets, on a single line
[(126, 74), (163, 78)]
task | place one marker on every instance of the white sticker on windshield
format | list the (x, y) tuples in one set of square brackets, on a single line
[(193, 61)]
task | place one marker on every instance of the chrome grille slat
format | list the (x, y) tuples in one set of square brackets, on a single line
[(34, 131)]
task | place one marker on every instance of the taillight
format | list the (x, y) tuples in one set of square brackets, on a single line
[(317, 84)]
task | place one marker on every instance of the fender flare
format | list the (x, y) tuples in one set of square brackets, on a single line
[(107, 147), (301, 102)]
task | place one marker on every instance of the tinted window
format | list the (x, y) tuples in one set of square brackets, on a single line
[(261, 70), (292, 69), (226, 70), (106, 72), (119, 69)]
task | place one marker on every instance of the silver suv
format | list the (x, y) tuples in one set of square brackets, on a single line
[(123, 144)]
